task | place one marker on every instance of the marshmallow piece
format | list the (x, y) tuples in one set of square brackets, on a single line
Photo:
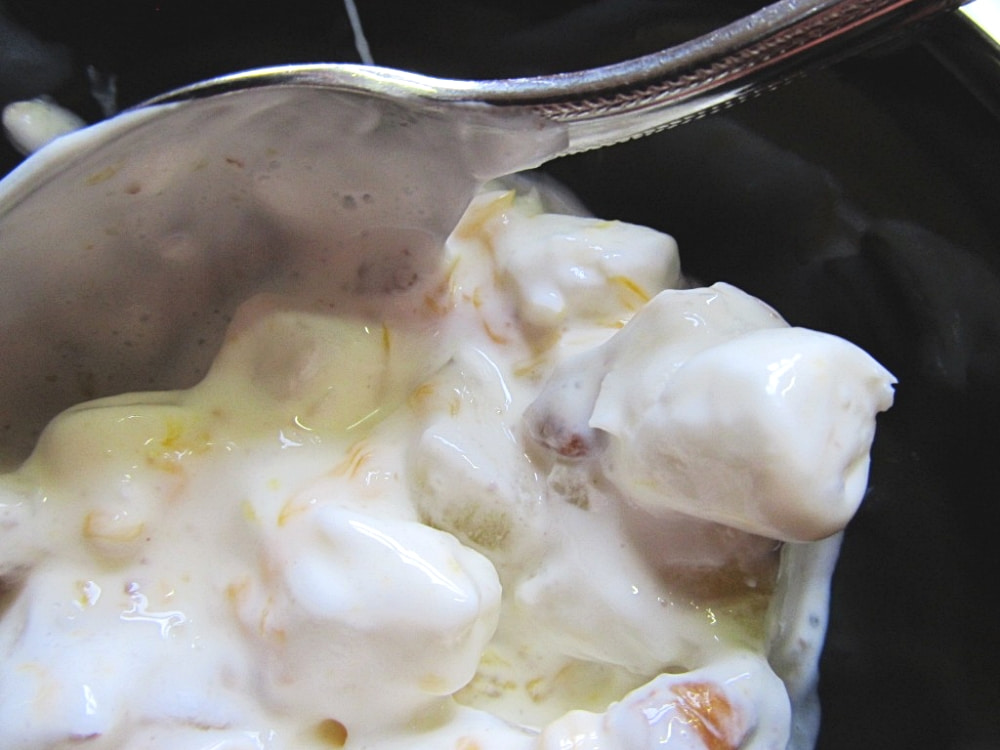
[(737, 702), (562, 268), (764, 430), (34, 123), (368, 621)]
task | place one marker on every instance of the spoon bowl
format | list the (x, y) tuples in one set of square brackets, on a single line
[(127, 246)]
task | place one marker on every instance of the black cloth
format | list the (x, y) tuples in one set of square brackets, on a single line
[(861, 201)]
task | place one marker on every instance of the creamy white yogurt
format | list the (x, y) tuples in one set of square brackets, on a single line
[(533, 500), (34, 123)]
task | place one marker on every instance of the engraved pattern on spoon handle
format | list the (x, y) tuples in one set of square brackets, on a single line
[(607, 105), (686, 82)]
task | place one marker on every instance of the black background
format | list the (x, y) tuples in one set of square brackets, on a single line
[(862, 201)]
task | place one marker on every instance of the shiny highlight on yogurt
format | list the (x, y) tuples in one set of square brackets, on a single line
[(548, 495)]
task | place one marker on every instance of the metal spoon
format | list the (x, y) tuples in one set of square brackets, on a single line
[(126, 247), (607, 105)]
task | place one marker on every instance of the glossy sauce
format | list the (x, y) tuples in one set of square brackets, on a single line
[(534, 499)]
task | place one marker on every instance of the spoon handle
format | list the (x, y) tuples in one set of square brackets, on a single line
[(626, 100), (615, 103)]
